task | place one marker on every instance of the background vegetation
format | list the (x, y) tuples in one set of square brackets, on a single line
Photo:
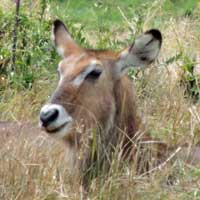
[(168, 92)]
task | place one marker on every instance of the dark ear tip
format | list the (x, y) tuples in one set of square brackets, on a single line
[(155, 33), (58, 23)]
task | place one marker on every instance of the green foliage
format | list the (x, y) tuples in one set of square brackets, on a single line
[(173, 58), (180, 7), (35, 52), (190, 79), (33, 48)]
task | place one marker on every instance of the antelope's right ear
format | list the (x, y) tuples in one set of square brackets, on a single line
[(63, 40)]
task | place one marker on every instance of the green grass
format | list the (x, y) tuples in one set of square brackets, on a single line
[(92, 13)]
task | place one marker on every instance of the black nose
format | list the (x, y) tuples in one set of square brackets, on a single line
[(48, 116)]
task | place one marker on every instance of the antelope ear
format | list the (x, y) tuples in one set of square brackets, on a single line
[(142, 52), (63, 40)]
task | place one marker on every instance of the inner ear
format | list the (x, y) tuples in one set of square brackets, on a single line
[(147, 46), (63, 40), (142, 52)]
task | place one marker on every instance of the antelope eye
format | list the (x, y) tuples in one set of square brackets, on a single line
[(94, 74)]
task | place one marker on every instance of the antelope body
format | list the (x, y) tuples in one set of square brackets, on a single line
[(93, 108)]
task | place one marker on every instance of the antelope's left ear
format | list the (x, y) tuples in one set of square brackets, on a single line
[(142, 52)]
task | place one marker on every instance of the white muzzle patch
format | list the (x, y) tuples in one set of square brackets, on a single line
[(61, 125)]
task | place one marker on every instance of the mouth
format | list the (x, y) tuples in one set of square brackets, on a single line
[(60, 131), (57, 129)]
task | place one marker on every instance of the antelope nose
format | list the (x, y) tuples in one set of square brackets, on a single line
[(48, 116)]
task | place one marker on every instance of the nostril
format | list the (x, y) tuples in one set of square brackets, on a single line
[(48, 116)]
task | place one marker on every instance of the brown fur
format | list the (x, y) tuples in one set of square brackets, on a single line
[(104, 110), (116, 99)]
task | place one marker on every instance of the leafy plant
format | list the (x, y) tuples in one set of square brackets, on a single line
[(190, 80), (34, 53)]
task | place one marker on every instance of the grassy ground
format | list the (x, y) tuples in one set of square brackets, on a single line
[(31, 164)]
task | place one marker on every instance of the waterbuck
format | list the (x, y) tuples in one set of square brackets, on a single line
[(93, 109)]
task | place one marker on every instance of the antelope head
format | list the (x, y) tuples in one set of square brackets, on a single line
[(87, 78)]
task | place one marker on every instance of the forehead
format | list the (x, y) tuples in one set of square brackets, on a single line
[(73, 65)]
